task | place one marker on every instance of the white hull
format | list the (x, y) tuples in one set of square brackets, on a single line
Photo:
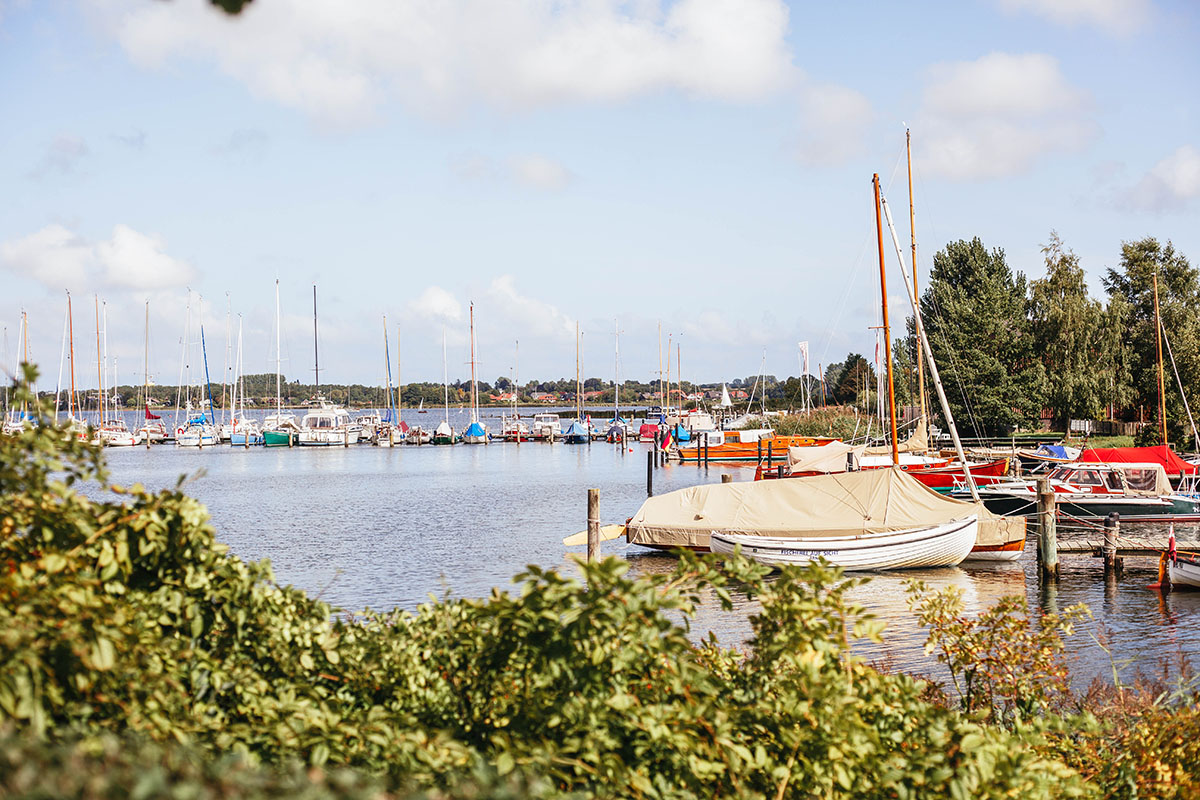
[(196, 440), (995, 556), (119, 439), (474, 439), (1184, 573), (327, 438), (943, 545)]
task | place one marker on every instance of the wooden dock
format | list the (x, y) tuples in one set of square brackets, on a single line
[(1127, 546)]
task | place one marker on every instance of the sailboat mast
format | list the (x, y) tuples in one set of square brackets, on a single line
[(278, 393), (445, 381), (616, 370), (112, 382), (146, 362), (24, 355), (399, 395), (71, 332), (887, 331), (387, 357), (516, 381), (661, 404), (99, 374), (912, 228), (316, 358), (933, 371), (225, 382), (474, 396), (578, 388), (1162, 398)]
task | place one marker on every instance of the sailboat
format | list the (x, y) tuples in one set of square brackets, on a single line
[(279, 429), (475, 433), (77, 425), (444, 433), (867, 520), (513, 429), (579, 431), (243, 431), (198, 429), (327, 424), (153, 430), (619, 429), (16, 421), (112, 430)]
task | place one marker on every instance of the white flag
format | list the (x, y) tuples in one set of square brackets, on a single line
[(803, 358)]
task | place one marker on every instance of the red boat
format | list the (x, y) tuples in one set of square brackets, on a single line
[(941, 478)]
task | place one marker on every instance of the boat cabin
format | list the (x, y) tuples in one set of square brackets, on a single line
[(1098, 478)]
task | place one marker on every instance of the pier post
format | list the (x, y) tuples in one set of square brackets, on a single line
[(770, 448), (657, 445), (593, 524), (726, 478), (346, 437), (700, 460), (758, 442), (1047, 530), (706, 449), (1112, 532), (649, 473)]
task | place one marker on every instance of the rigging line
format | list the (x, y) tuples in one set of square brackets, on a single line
[(850, 285), (1175, 369)]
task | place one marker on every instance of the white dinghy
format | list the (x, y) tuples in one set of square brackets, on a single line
[(932, 546)]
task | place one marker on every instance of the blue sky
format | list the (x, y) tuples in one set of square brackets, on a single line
[(705, 164)]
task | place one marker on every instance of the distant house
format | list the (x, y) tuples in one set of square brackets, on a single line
[(738, 394), (545, 397), (503, 397), (593, 395)]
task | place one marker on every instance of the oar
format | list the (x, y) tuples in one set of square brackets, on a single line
[(607, 532)]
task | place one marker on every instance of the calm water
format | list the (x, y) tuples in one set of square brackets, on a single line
[(388, 527)]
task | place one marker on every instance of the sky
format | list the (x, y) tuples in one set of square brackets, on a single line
[(702, 167)]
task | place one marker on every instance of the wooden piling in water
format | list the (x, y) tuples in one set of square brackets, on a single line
[(649, 474), (1112, 532), (726, 478), (593, 525), (1047, 530)]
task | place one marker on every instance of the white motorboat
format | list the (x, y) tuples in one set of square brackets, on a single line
[(943, 545), (546, 426), (114, 433), (327, 425)]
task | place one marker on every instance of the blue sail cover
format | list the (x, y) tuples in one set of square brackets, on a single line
[(475, 429), (682, 434), (1053, 450), (577, 431)]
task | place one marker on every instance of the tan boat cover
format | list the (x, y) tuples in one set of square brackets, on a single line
[(917, 442), (824, 458), (847, 504)]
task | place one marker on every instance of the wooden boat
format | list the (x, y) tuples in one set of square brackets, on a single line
[(943, 545), (1138, 492), (476, 432)]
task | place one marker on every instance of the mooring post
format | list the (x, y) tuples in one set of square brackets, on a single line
[(726, 478), (1047, 530), (1112, 531), (758, 442), (657, 445), (649, 474), (770, 447), (593, 524), (700, 462)]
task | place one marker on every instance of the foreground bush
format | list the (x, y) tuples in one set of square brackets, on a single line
[(125, 617)]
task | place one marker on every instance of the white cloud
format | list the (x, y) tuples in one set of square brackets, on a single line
[(61, 259), (834, 125), (998, 115), (1170, 185), (1114, 16), (436, 305), (337, 62), (527, 315), (540, 172)]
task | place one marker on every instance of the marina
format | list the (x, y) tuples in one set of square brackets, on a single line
[(447, 527)]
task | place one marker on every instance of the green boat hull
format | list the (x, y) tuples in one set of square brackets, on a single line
[(278, 438)]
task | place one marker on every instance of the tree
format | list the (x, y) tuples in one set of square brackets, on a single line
[(1079, 340), (976, 315), (1132, 283)]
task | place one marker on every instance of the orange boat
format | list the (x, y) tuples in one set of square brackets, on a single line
[(740, 448)]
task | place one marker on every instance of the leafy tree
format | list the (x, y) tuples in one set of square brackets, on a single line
[(1179, 303), (976, 316), (1079, 340)]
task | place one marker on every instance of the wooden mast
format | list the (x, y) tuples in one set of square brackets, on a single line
[(474, 396), (316, 360), (1162, 398), (912, 227), (887, 331)]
